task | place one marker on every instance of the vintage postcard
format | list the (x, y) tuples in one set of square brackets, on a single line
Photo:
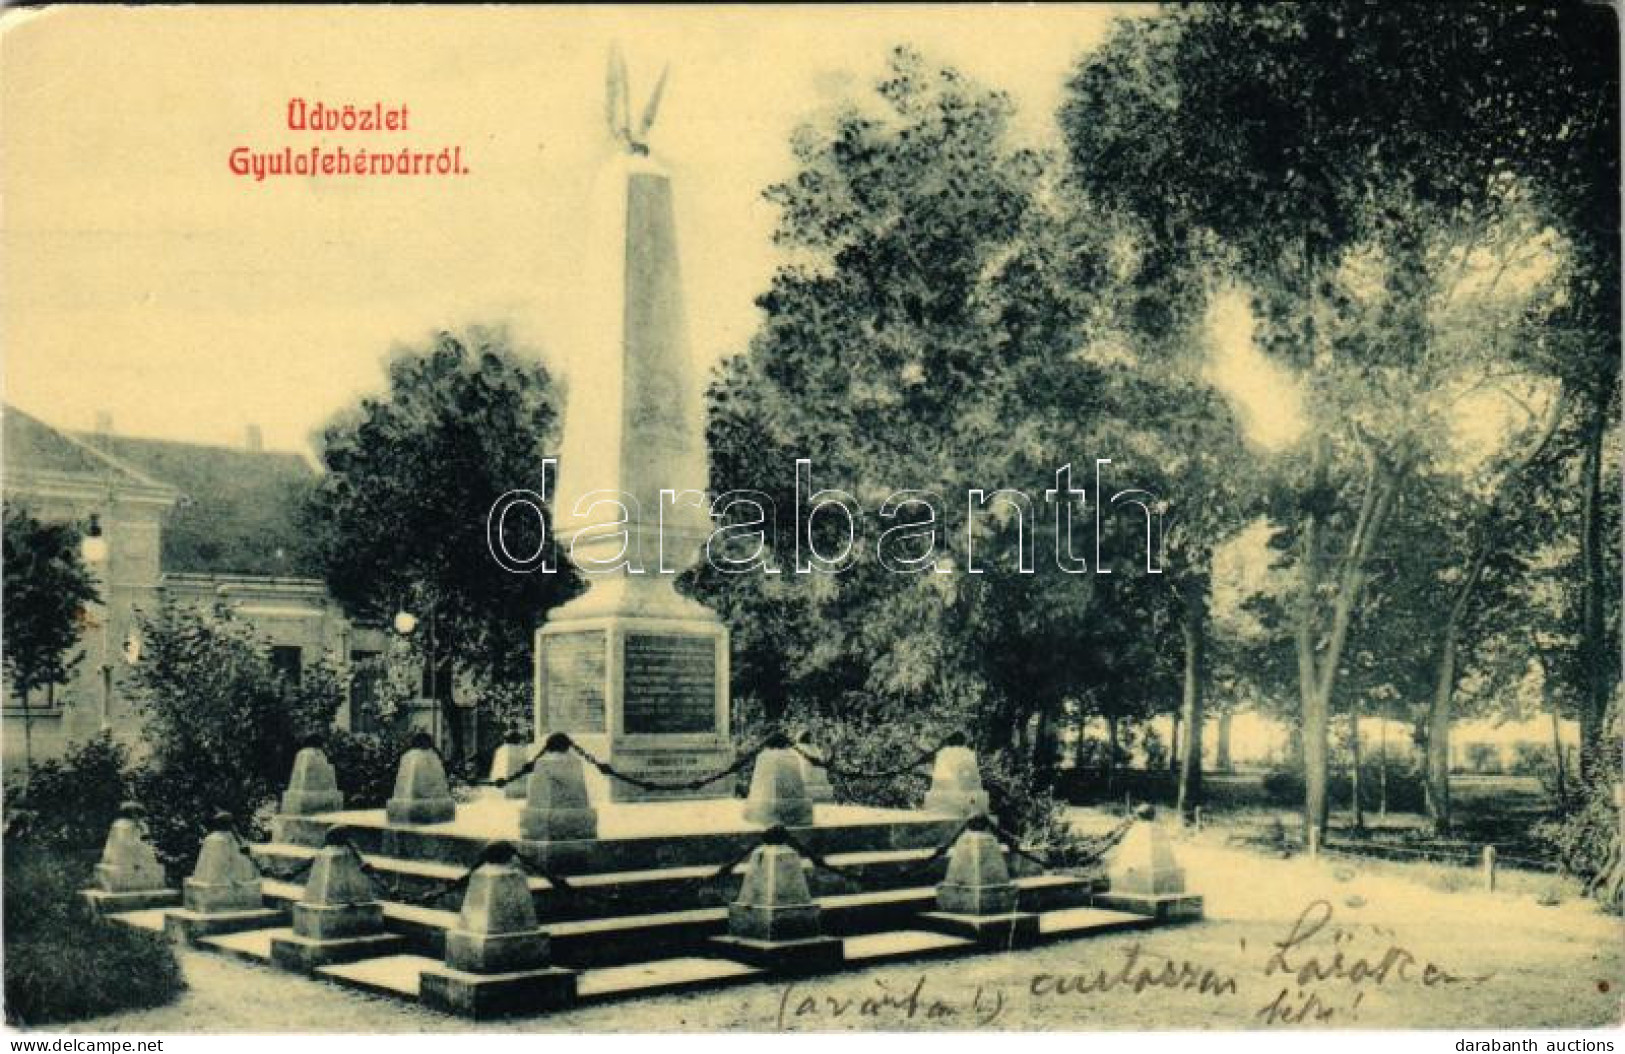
[(769, 519)]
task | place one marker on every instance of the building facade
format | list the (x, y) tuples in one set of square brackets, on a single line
[(201, 524)]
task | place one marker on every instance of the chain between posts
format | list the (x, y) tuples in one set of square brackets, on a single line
[(1098, 847), (775, 740), (829, 765)]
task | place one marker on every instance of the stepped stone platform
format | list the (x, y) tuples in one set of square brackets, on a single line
[(642, 908)]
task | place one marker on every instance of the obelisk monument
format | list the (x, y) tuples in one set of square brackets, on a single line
[(634, 671)]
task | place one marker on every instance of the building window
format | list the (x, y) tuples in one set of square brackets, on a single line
[(289, 661), (40, 702)]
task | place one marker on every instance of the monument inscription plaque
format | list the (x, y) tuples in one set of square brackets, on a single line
[(670, 683), (573, 664)]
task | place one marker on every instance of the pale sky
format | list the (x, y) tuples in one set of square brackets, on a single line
[(144, 279)]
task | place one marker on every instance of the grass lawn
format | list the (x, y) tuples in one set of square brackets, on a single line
[(1455, 959)]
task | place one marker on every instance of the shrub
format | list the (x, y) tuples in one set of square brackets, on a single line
[(1021, 802), (1587, 838), (1283, 787), (63, 962), (365, 764), (222, 723), (1533, 759), (67, 803)]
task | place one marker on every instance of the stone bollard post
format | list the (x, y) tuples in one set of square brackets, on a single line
[(956, 782), (422, 794), (813, 776), (338, 900), (976, 897), (225, 879), (497, 955), (128, 877), (775, 922), (1144, 875), (1489, 869), (557, 808), (512, 756), (978, 879), (128, 863), (777, 794), (313, 787), (496, 929), (338, 917)]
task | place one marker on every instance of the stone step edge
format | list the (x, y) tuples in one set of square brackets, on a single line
[(959, 948), (438, 918), (437, 871)]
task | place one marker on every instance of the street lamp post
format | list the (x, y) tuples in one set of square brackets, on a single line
[(406, 623)]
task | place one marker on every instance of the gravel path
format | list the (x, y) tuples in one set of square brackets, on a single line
[(1453, 960)]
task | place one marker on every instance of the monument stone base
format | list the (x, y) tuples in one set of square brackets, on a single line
[(802, 955), (332, 921), (104, 903), (1011, 929), (493, 995), (647, 695), (303, 954), (188, 926)]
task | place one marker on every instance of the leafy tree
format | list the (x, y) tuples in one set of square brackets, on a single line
[(919, 335), (46, 589), (400, 517), (1376, 139)]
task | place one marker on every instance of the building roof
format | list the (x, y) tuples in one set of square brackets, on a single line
[(32, 446), (238, 511)]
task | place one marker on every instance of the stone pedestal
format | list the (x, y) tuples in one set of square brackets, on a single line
[(1143, 862), (557, 807), (648, 696), (223, 894), (313, 787), (976, 898), (497, 955), (129, 877), (422, 794), (813, 775), (956, 784), (225, 879), (775, 922), (511, 757), (634, 671), (338, 917), (978, 880), (1144, 876), (777, 794)]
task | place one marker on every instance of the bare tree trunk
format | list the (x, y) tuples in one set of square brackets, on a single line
[(1594, 652), (1221, 749), (1559, 786), (28, 735), (1382, 768), (1356, 806), (1173, 742), (1194, 627), (1438, 753), (1444, 685), (1317, 677), (1111, 752)]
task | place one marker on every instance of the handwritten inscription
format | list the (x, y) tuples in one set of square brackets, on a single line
[(1317, 972), (1327, 975), (882, 1004)]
